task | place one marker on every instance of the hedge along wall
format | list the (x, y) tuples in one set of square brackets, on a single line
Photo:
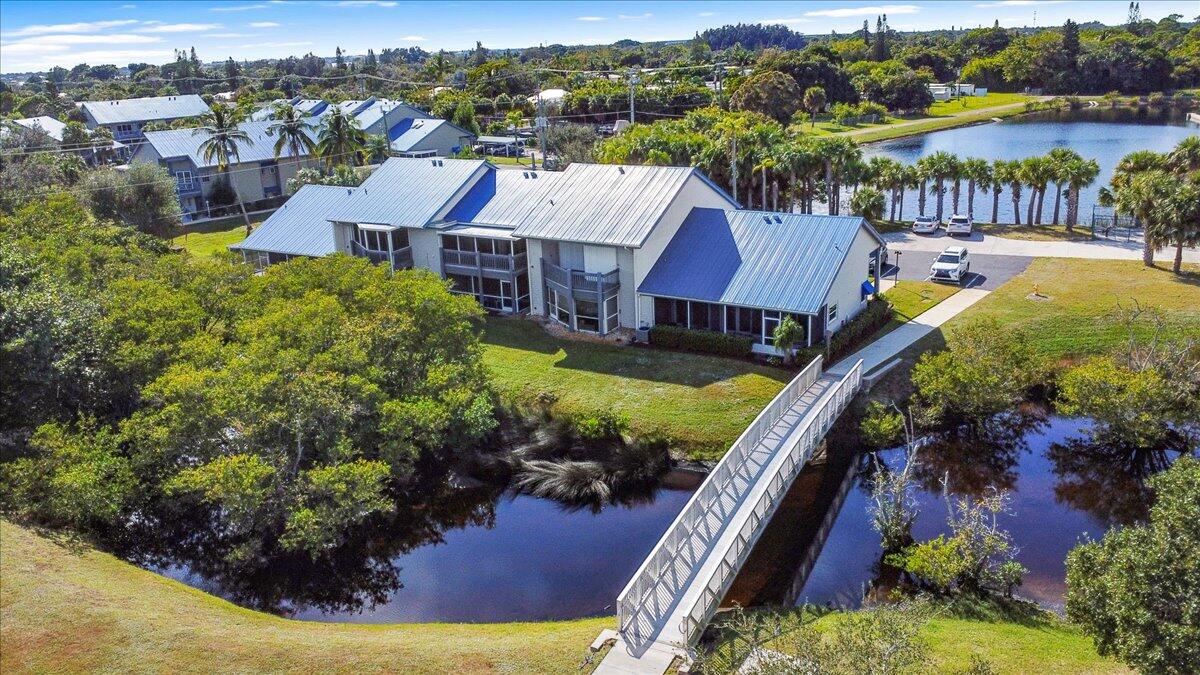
[(707, 341)]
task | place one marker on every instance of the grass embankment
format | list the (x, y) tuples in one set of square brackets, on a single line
[(911, 298), (703, 401), (945, 115), (1035, 232), (213, 236), (68, 608)]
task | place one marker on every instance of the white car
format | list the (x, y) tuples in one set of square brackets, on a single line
[(959, 225), (954, 264), (925, 225)]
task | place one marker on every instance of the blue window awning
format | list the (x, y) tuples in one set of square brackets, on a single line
[(867, 289)]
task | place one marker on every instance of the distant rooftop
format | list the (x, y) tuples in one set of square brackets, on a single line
[(301, 226), (146, 109), (186, 143)]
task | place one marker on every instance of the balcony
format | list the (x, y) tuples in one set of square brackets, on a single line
[(400, 259), (186, 187), (603, 284), (470, 262)]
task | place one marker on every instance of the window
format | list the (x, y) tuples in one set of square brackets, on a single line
[(831, 314), (770, 323), (664, 312), (559, 306), (587, 316), (449, 242), (399, 239)]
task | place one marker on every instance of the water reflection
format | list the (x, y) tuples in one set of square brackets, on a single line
[(1064, 489), (453, 554)]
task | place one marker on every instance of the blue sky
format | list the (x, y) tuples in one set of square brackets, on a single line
[(38, 35)]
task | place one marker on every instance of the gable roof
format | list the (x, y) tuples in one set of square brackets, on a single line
[(409, 192), (146, 109), (301, 226), (52, 127), (408, 134), (504, 198), (781, 261), (608, 204), (175, 143), (396, 112)]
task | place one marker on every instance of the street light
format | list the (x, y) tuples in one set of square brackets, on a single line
[(896, 274)]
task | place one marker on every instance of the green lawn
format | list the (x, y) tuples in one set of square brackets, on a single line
[(214, 236), (1036, 232), (704, 401), (946, 115), (67, 608), (911, 298)]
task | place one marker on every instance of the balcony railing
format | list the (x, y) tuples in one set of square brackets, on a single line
[(401, 258), (487, 261), (603, 283), (187, 186)]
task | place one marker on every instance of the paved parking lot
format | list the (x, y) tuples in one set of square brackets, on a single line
[(988, 272)]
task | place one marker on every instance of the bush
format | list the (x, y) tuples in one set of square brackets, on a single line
[(871, 319), (707, 341)]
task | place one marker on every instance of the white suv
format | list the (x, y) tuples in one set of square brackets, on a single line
[(925, 225), (954, 264), (959, 225)]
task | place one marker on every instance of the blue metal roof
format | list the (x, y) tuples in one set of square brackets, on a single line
[(504, 199), (186, 143), (608, 204), (301, 226), (409, 192), (146, 109), (780, 261)]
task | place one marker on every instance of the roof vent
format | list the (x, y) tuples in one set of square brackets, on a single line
[(767, 219), (621, 170), (348, 191), (779, 219)]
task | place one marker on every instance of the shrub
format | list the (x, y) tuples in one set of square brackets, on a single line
[(871, 319), (1131, 408), (707, 341)]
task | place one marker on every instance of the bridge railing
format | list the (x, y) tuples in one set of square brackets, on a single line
[(798, 455), (666, 554)]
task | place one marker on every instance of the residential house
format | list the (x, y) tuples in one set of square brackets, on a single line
[(55, 129), (126, 117), (257, 175), (595, 248), (429, 138)]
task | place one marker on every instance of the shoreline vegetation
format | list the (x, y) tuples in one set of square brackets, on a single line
[(69, 607)]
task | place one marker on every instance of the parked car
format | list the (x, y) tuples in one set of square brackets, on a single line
[(959, 225), (954, 264), (925, 225), (871, 261)]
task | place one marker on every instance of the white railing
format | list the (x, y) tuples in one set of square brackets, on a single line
[(649, 576), (797, 456)]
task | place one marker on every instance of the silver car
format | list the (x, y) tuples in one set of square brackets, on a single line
[(925, 225), (959, 225)]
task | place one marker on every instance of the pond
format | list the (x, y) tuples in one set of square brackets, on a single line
[(475, 555), (1063, 491), (1103, 134)]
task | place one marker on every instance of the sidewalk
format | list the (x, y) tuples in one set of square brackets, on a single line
[(887, 347), (983, 244)]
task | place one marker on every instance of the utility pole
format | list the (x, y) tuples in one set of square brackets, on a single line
[(733, 166), (633, 81), (720, 70), (540, 123)]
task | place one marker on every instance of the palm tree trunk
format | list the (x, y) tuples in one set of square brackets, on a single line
[(1057, 200), (829, 187), (1029, 209), (956, 192), (971, 198), (1041, 207), (792, 191), (995, 204), (941, 195), (1016, 200), (921, 200), (1147, 248), (1178, 264)]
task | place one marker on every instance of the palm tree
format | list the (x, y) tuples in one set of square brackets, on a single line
[(942, 165), (837, 154), (1179, 218), (221, 147), (1000, 178), (1185, 158), (1036, 173), (1120, 194), (978, 174), (954, 172), (924, 171), (1078, 174), (1014, 171), (1060, 158), (340, 140), (376, 149), (293, 133), (909, 179), (884, 174)]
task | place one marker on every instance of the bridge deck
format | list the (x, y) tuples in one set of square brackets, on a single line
[(670, 613)]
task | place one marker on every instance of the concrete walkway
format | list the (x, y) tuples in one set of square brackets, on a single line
[(984, 244), (887, 347)]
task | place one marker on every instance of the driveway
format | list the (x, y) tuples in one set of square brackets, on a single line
[(978, 243), (988, 272)]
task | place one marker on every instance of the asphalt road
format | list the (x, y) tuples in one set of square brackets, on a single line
[(988, 272)]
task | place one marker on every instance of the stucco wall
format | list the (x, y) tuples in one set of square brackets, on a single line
[(426, 249), (533, 249), (846, 289)]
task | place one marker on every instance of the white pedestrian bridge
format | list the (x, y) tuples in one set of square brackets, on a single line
[(665, 606)]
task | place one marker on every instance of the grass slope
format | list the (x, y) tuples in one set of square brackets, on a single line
[(946, 115), (67, 608), (213, 236), (705, 401)]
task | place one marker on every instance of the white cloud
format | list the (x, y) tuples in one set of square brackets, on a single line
[(180, 27), (1020, 3), (81, 27), (589, 18), (635, 17), (229, 36), (97, 39), (412, 38), (274, 44), (366, 3), (44, 61), (236, 8), (865, 11), (786, 21), (127, 7), (264, 24), (707, 14)]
